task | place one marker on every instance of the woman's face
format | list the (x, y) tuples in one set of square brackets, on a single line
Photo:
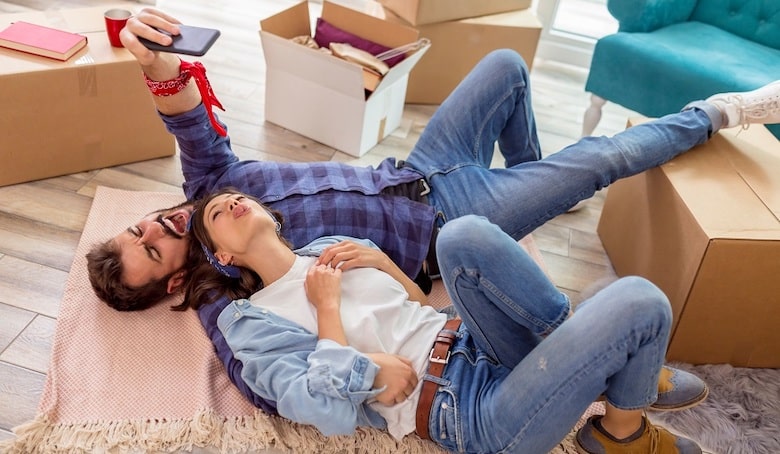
[(233, 221)]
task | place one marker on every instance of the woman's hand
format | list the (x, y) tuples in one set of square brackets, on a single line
[(396, 374), (347, 255), (323, 289)]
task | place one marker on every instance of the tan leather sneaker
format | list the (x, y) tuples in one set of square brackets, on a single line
[(591, 439)]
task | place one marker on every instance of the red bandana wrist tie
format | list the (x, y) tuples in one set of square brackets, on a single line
[(173, 86)]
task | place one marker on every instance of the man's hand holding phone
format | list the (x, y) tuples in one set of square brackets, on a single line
[(190, 41), (151, 31)]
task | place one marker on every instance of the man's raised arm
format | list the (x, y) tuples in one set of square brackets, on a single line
[(159, 66)]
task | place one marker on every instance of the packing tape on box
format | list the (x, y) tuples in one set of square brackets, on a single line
[(88, 85)]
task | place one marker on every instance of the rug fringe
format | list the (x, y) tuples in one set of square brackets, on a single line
[(206, 429)]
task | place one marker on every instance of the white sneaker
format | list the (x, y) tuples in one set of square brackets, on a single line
[(761, 106)]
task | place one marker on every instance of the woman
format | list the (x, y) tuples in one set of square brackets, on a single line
[(337, 335)]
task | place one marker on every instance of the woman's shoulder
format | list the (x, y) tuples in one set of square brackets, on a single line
[(316, 247)]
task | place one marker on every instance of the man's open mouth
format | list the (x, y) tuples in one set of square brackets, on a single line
[(175, 224)]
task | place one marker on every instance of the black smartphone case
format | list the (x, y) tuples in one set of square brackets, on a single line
[(190, 41)]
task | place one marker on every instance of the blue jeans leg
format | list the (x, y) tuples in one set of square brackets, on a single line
[(493, 105), (503, 297), (614, 344)]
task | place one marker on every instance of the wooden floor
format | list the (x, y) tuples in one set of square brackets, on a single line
[(41, 221)]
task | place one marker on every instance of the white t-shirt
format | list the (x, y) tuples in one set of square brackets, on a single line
[(370, 299)]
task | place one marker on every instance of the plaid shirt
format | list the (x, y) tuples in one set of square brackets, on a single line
[(317, 199)]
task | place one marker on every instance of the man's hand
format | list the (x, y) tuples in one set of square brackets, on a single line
[(397, 374), (145, 24)]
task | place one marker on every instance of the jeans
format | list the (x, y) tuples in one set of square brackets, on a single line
[(455, 150), (510, 388)]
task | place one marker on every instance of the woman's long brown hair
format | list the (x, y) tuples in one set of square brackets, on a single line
[(205, 284)]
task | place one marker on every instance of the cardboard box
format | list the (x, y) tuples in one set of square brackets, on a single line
[(321, 96), (457, 46), (419, 12), (705, 228), (89, 112)]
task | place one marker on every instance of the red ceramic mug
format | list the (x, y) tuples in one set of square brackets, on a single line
[(115, 21)]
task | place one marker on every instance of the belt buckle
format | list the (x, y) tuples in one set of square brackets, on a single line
[(438, 360), (426, 189)]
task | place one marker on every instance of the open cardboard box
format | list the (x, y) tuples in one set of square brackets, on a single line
[(705, 228), (419, 12), (321, 96), (91, 111), (458, 45)]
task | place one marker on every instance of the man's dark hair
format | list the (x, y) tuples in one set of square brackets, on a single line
[(104, 266)]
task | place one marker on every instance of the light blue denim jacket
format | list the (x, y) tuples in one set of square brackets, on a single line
[(317, 382)]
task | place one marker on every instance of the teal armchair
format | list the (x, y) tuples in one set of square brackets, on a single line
[(669, 52)]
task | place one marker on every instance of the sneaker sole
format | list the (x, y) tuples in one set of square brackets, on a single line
[(579, 448), (696, 401)]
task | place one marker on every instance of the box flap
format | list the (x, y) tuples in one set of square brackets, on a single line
[(419, 12), (756, 157), (524, 18), (368, 27), (731, 184), (289, 23), (309, 64), (403, 68), (736, 287), (281, 54), (647, 231)]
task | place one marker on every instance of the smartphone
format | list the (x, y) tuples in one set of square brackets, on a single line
[(190, 41)]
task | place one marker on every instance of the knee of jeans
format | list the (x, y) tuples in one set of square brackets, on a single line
[(643, 300), (509, 60), (467, 229)]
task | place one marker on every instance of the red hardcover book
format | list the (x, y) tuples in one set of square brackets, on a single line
[(40, 40)]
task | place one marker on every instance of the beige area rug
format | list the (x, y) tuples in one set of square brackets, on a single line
[(151, 382)]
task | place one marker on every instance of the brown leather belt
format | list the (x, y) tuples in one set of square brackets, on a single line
[(440, 356)]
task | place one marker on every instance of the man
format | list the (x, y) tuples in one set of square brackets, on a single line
[(397, 205)]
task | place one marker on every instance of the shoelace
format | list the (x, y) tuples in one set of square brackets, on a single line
[(654, 433), (764, 109), (761, 109)]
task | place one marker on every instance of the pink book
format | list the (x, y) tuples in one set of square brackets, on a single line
[(40, 40)]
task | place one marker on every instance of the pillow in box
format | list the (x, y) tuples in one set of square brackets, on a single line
[(326, 33)]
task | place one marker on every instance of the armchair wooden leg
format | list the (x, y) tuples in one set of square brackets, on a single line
[(592, 115)]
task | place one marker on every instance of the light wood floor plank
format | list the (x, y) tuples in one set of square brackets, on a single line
[(32, 348), (37, 242), (20, 391), (31, 286), (12, 322), (45, 203)]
